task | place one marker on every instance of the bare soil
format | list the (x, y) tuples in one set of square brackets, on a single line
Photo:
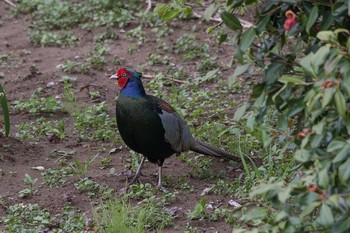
[(18, 157)]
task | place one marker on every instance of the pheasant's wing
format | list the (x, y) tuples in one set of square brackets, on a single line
[(176, 131)]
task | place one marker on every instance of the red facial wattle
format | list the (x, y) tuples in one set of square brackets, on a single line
[(123, 77), (122, 82)]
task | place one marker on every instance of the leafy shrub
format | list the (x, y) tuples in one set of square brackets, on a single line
[(302, 49)]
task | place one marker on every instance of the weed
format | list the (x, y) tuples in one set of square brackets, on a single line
[(29, 191), (200, 167), (55, 177), (207, 64), (199, 210), (93, 189), (71, 221), (154, 59), (106, 35), (132, 48), (94, 123), (106, 161), (223, 187), (80, 169), (189, 49), (94, 95), (68, 94), (96, 58), (190, 229), (5, 58), (35, 130), (38, 104), (114, 216), (73, 67), (137, 34), (48, 38), (156, 216), (26, 218)]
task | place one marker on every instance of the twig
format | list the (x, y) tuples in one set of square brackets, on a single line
[(245, 23), (150, 77), (149, 6), (10, 3)]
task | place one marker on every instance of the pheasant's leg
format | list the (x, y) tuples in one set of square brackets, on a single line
[(138, 171), (159, 185)]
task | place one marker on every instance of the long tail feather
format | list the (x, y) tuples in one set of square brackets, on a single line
[(207, 149)]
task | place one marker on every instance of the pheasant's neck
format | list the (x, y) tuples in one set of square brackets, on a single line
[(133, 90)]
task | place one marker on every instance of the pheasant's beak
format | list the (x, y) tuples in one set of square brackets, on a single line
[(113, 77)]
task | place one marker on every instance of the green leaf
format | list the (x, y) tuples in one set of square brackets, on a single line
[(323, 178), (340, 103), (247, 39), (208, 13), (312, 18), (303, 155), (251, 121), (309, 209), (171, 14), (326, 217), (238, 71), (335, 145), (222, 38), (240, 112), (262, 25), (282, 123), (273, 71), (327, 96), (344, 171), (342, 154), (5, 110), (161, 9), (295, 79), (284, 195), (325, 35), (231, 21)]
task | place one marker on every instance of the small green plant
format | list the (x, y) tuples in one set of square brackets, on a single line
[(37, 104), (26, 218), (94, 123), (154, 59), (79, 168), (199, 210), (5, 110), (114, 216), (96, 58), (49, 38), (5, 58), (29, 191), (55, 177), (73, 67), (93, 189), (34, 131), (94, 95), (189, 49), (136, 34)]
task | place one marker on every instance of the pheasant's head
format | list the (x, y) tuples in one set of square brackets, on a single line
[(129, 81)]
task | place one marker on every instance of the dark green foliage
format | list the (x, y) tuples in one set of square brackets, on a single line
[(300, 104)]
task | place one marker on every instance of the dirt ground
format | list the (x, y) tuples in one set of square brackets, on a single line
[(19, 157)]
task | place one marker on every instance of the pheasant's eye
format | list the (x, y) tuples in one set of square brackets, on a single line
[(124, 74)]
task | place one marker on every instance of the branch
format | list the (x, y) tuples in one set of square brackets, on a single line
[(149, 6), (10, 3), (150, 77), (245, 23)]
